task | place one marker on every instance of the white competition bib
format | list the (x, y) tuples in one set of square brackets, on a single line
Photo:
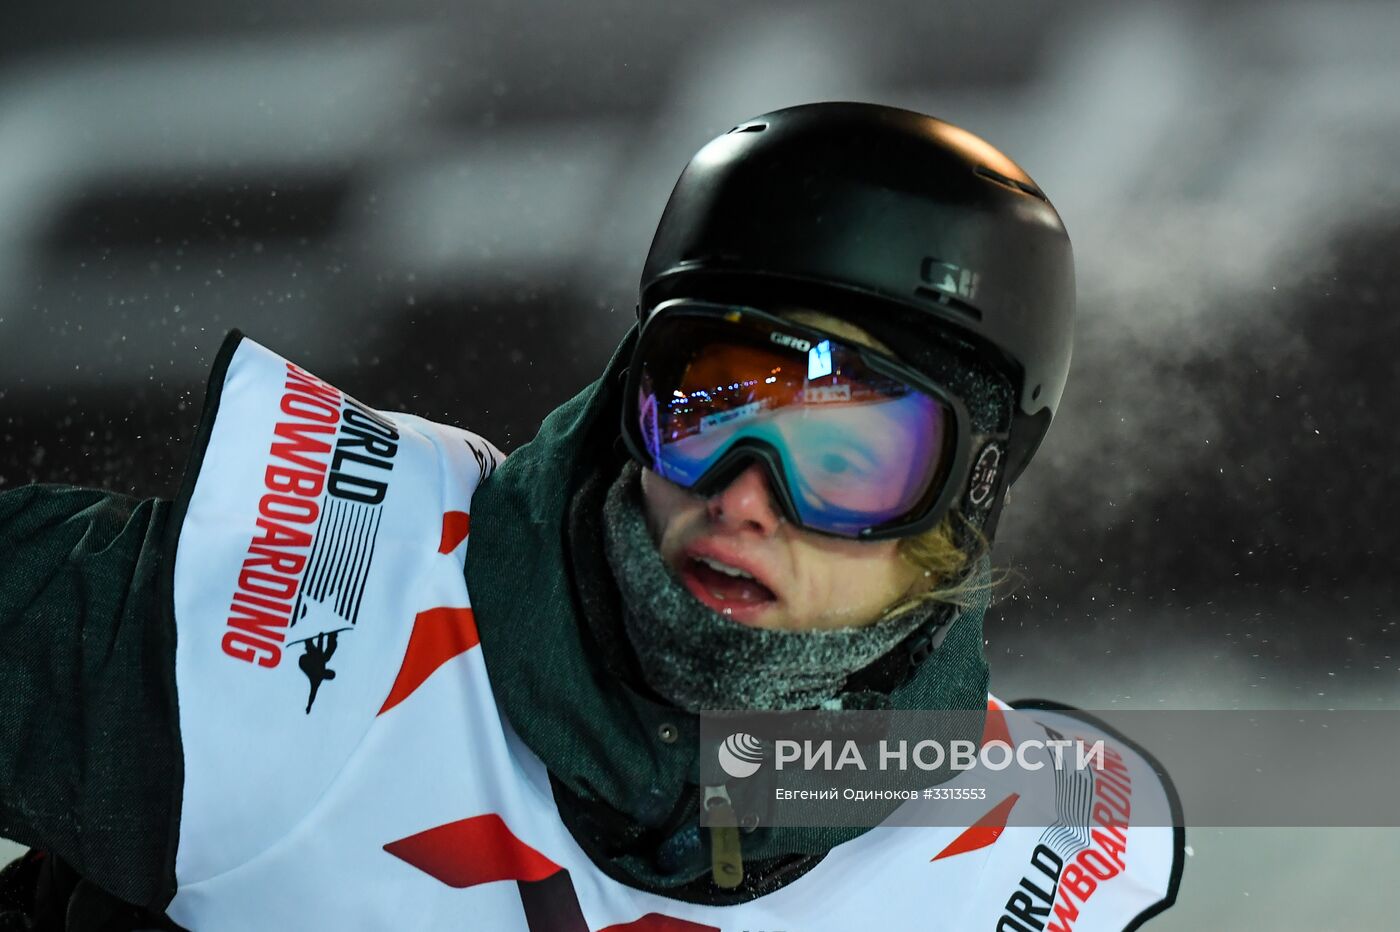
[(346, 766)]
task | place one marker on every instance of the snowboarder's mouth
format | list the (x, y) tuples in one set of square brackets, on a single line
[(730, 590)]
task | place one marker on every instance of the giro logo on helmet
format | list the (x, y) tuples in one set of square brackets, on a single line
[(740, 755), (948, 278)]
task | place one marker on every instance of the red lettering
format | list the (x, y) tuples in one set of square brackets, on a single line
[(270, 575), (310, 408), (251, 650), (1065, 914), (1105, 816), (298, 379), (1077, 882), (1112, 847), (282, 608), (295, 481), (1113, 763), (1114, 796), (279, 535), (289, 564), (298, 444), (300, 510), (269, 584), (263, 626), (1098, 865)]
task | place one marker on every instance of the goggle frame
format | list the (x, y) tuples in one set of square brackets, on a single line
[(926, 514)]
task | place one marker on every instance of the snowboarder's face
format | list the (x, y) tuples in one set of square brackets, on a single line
[(737, 554)]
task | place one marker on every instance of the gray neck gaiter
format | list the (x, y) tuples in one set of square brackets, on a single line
[(699, 660)]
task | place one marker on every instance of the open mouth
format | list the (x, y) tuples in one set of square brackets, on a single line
[(726, 589)]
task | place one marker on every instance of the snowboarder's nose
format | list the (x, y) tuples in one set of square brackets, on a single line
[(747, 502)]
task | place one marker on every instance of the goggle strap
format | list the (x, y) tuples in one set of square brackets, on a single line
[(984, 492)]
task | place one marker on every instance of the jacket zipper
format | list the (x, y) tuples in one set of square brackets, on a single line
[(726, 854)]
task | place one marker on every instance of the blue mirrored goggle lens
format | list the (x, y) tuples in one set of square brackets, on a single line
[(858, 448)]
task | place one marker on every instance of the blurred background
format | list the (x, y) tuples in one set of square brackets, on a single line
[(444, 209)]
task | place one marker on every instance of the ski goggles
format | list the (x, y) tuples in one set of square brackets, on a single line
[(855, 444)]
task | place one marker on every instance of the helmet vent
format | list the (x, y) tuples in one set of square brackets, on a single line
[(1012, 183), (749, 128)]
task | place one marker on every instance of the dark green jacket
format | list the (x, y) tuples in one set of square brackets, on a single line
[(90, 754), (90, 760)]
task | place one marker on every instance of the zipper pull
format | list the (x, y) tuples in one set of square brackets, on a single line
[(726, 857)]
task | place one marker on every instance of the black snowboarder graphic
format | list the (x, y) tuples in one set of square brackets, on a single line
[(315, 659), (485, 462)]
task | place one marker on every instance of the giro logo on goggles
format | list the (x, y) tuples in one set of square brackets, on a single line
[(784, 339)]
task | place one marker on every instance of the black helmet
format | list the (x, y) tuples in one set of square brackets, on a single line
[(891, 211)]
